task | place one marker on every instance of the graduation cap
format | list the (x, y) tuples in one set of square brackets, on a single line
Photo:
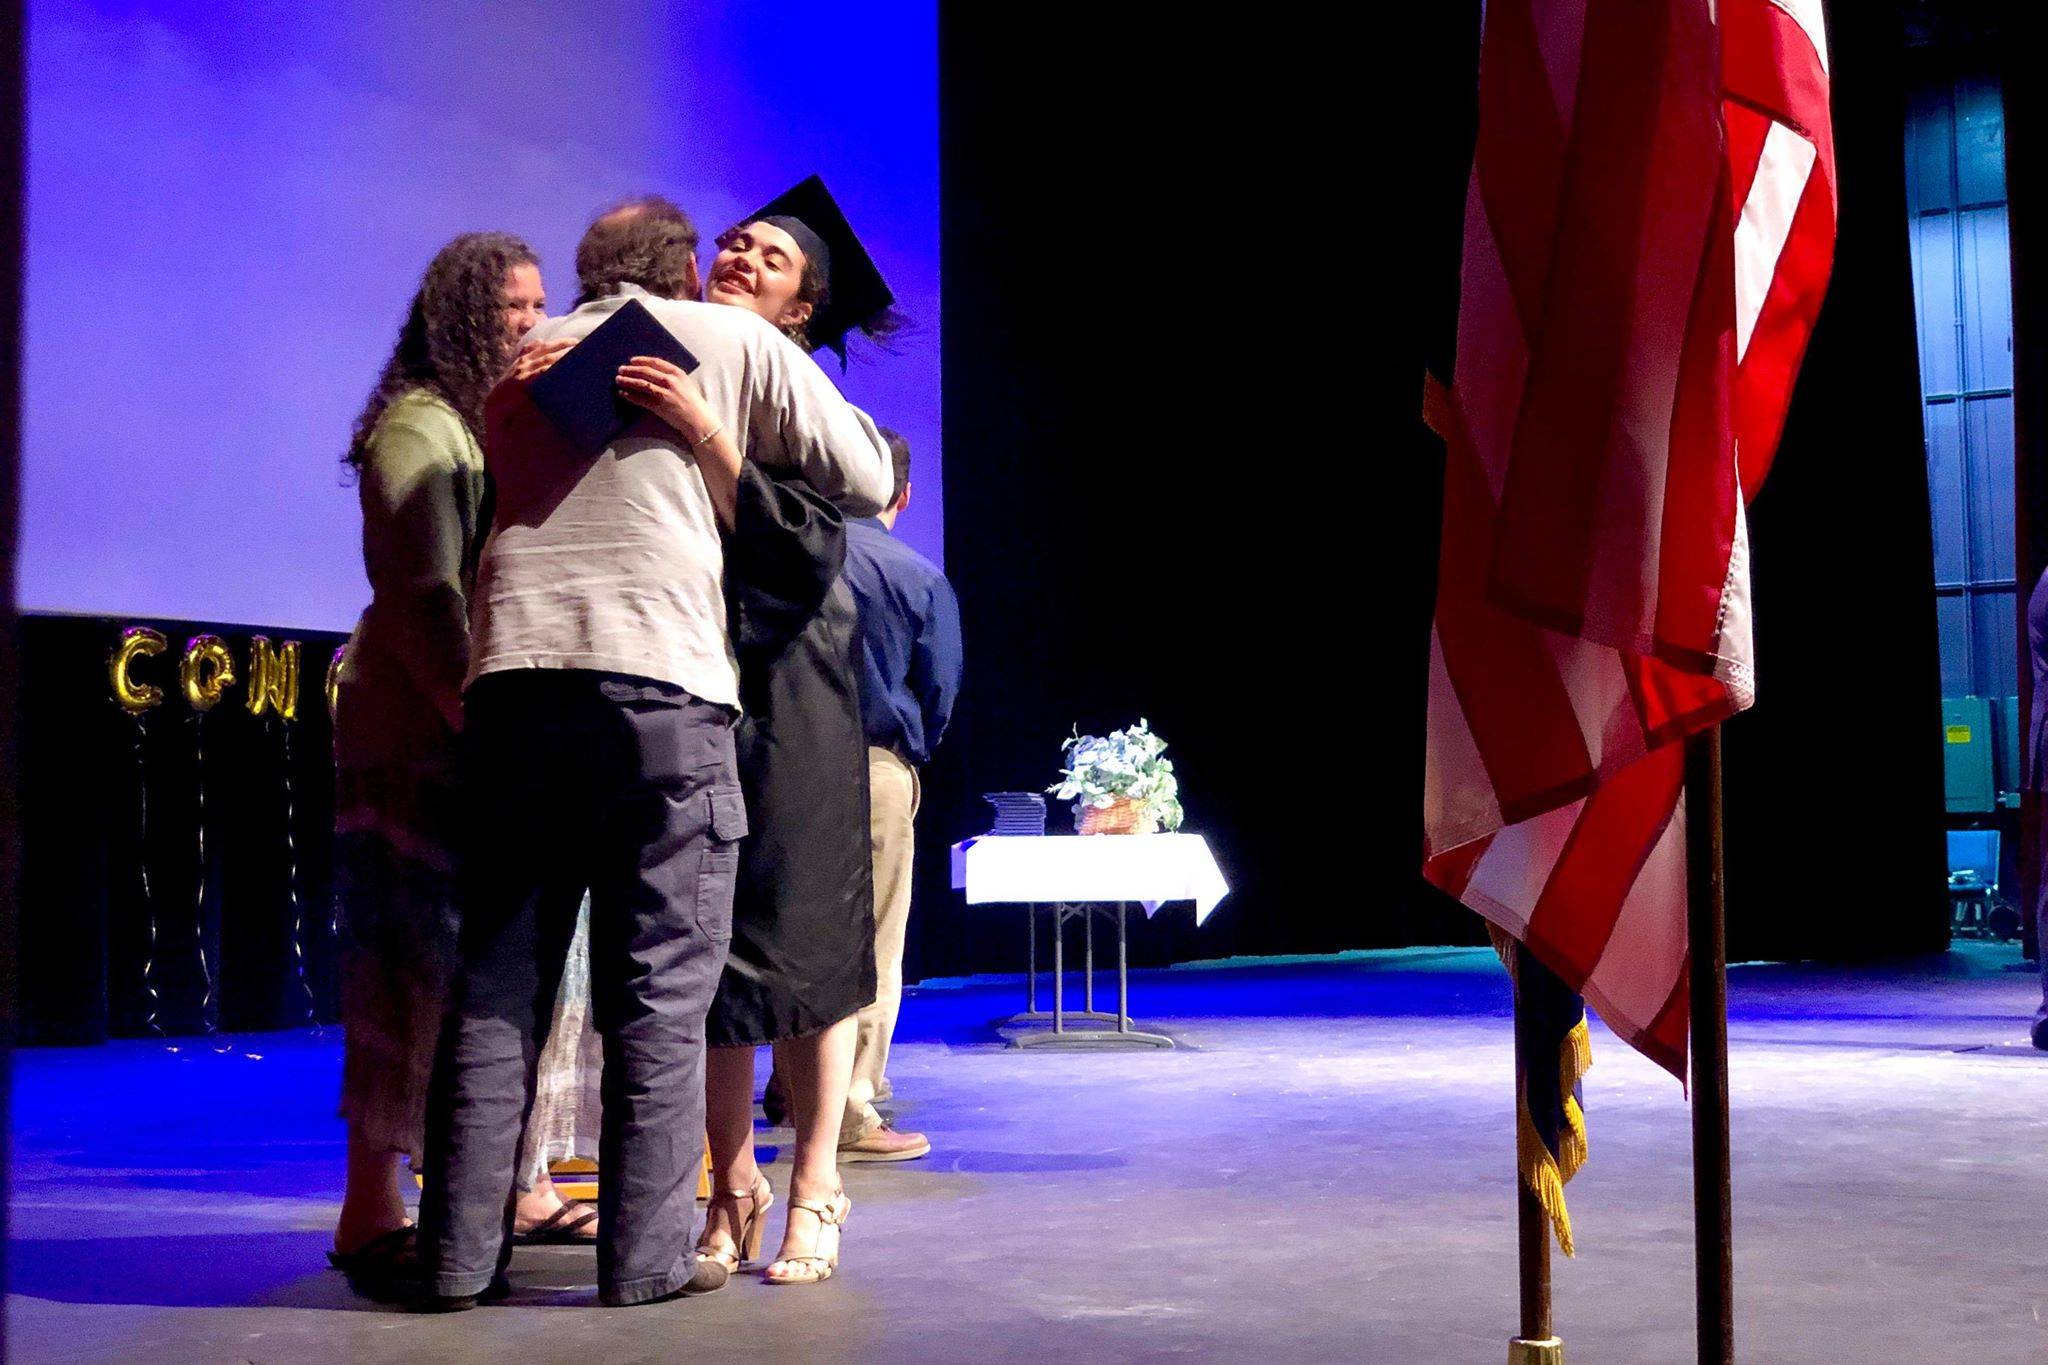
[(855, 293)]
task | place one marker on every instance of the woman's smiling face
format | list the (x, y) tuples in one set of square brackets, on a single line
[(760, 267)]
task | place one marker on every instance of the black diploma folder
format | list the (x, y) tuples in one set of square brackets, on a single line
[(580, 392)]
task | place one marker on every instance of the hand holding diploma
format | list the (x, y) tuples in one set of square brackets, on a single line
[(530, 462), (537, 360), (667, 390), (509, 414)]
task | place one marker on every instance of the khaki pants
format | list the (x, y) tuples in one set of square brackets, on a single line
[(893, 795)]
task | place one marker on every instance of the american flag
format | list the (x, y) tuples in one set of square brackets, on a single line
[(1649, 229)]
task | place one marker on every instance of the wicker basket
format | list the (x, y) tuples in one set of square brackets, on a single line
[(1121, 816)]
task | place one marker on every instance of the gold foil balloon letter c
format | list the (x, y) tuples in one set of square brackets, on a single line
[(273, 678), (206, 671), (136, 642)]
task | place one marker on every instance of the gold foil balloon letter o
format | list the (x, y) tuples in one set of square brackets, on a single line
[(136, 642), (206, 671)]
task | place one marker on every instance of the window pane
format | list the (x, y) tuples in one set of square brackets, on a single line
[(1946, 491), (1980, 143), (1996, 629), (1987, 298), (1934, 281), (1987, 433), (1953, 617), (1930, 148)]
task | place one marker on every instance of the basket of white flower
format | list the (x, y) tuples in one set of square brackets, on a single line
[(1120, 783), (1121, 816)]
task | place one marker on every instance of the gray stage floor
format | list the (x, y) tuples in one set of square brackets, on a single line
[(1322, 1172)]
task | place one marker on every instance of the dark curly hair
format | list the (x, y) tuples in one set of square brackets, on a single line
[(452, 342), (646, 241), (814, 290)]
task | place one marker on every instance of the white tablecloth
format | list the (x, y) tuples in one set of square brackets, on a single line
[(1150, 869)]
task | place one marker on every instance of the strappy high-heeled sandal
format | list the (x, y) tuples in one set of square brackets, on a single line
[(818, 1266), (746, 1233)]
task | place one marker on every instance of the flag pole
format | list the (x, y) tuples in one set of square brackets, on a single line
[(1706, 905), (1537, 1343)]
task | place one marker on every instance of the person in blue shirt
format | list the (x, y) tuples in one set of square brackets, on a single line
[(910, 664)]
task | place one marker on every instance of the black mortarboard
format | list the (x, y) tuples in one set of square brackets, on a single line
[(855, 293), (580, 392)]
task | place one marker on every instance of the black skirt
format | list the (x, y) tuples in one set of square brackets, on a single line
[(803, 927)]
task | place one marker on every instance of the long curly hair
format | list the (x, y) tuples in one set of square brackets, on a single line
[(453, 341)]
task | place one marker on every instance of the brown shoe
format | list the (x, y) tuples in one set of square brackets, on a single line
[(883, 1143)]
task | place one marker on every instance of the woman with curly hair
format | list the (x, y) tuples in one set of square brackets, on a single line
[(417, 459)]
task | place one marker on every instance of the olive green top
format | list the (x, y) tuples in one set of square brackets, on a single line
[(422, 485)]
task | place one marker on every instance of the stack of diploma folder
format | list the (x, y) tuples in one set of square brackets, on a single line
[(1017, 812)]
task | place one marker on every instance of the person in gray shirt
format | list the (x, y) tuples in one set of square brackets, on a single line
[(598, 753)]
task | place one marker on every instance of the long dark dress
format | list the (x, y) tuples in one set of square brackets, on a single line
[(803, 929)]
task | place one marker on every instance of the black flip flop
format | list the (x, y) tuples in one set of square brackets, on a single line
[(384, 1269), (562, 1228)]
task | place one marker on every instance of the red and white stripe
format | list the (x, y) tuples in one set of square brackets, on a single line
[(1781, 147), (1624, 330)]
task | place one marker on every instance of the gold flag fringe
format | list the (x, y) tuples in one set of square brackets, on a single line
[(1544, 1174)]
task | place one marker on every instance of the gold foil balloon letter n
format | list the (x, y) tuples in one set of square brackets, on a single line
[(273, 678)]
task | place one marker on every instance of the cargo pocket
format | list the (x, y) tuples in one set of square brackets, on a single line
[(719, 867)]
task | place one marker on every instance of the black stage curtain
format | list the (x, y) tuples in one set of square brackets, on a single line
[(1189, 301), (97, 888), (1191, 284), (1834, 785)]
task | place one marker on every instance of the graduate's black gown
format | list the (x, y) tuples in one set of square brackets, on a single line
[(803, 928)]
